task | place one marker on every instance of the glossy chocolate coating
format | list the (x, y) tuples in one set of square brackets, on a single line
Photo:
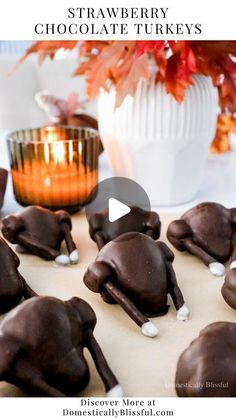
[(207, 368), (228, 289), (13, 287), (39, 231), (3, 184), (207, 230), (102, 230), (141, 268), (41, 347)]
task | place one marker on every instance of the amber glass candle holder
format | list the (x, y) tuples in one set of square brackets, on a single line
[(55, 167)]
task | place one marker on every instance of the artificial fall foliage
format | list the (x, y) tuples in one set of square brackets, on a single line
[(226, 124), (124, 63), (59, 110)]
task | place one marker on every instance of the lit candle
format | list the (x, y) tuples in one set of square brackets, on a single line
[(58, 170)]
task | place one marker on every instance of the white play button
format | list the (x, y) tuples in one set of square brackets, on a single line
[(116, 209), (116, 196)]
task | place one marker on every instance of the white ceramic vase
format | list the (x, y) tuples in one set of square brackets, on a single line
[(157, 142)]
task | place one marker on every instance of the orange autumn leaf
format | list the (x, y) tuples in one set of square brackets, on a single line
[(83, 68), (161, 62), (87, 54), (179, 70), (214, 59), (127, 86), (107, 67), (106, 63), (226, 123), (227, 89), (220, 144), (86, 48), (187, 61), (144, 47), (176, 80), (48, 48), (123, 67)]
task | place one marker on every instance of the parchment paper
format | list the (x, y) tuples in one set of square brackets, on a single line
[(144, 366)]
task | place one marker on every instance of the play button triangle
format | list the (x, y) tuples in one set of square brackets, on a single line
[(116, 209)]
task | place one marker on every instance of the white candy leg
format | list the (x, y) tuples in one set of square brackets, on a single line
[(217, 268), (183, 313), (233, 264), (149, 329), (116, 391), (74, 257), (62, 260)]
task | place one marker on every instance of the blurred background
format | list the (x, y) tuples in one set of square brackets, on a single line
[(18, 109), (20, 83)]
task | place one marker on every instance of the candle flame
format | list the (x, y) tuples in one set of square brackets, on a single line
[(58, 152), (80, 148), (56, 147), (50, 134), (70, 152), (46, 153)]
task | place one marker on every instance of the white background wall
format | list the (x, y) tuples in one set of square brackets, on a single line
[(19, 83)]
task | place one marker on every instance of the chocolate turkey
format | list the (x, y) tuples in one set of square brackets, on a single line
[(3, 184), (207, 231), (138, 220), (207, 368), (228, 289), (41, 232), (41, 348), (136, 272), (13, 287)]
